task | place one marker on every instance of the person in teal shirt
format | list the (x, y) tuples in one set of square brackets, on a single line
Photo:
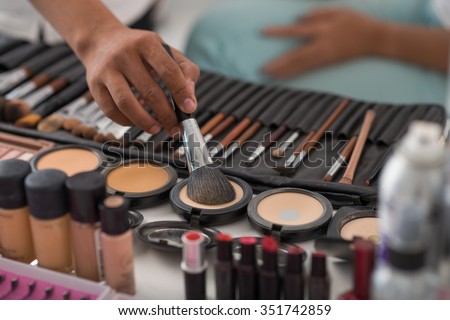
[(393, 51)]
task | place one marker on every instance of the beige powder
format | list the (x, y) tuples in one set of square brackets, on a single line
[(290, 208), (71, 161), (363, 227), (239, 195), (137, 177)]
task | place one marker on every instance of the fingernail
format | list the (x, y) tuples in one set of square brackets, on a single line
[(175, 131), (155, 129), (189, 105), (192, 85)]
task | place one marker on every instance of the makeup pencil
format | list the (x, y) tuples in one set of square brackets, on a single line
[(269, 288), (293, 287), (343, 158), (246, 269), (42, 78), (31, 67), (194, 265), (224, 268), (359, 147), (303, 149)]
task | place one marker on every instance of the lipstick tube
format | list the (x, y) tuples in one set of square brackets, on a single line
[(269, 288), (293, 279), (319, 282), (194, 265), (246, 269), (225, 273)]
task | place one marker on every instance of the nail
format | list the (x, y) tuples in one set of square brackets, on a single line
[(154, 129), (175, 131), (189, 105), (192, 85)]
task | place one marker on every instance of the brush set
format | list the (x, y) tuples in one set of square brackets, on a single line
[(267, 135)]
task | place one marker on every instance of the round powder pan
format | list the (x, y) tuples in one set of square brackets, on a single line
[(290, 214), (211, 214), (135, 218), (71, 159), (143, 182), (166, 235), (350, 222)]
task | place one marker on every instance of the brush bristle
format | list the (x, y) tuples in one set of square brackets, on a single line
[(327, 178), (29, 121), (208, 185), (346, 180), (89, 133), (15, 109), (51, 123), (69, 124), (278, 153)]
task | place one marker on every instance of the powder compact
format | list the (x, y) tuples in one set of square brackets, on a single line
[(200, 214), (70, 159), (143, 182), (166, 235), (290, 213), (350, 222), (135, 218)]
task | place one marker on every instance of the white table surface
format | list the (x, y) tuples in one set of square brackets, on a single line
[(158, 274)]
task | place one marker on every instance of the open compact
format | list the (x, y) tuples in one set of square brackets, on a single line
[(200, 214), (166, 235), (350, 222), (70, 159), (290, 213), (143, 182)]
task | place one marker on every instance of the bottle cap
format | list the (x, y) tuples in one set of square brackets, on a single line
[(12, 177)]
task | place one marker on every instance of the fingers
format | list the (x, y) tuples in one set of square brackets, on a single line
[(171, 74), (293, 31), (128, 105), (320, 13), (191, 71), (108, 106), (299, 60)]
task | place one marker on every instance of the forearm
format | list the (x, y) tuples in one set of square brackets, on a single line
[(424, 46), (79, 22)]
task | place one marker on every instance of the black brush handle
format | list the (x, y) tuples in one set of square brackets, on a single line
[(56, 69), (73, 73), (7, 44), (181, 116), (18, 56), (46, 58)]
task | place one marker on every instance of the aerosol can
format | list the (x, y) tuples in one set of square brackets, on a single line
[(410, 191)]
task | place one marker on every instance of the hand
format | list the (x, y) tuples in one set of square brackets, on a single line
[(125, 57), (332, 35)]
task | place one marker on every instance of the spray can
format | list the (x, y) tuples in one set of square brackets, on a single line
[(410, 189)]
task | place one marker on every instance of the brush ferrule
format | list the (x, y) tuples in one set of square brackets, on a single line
[(103, 124), (144, 137), (38, 96), (197, 153), (256, 153), (289, 141), (118, 131), (336, 166), (76, 104), (86, 111), (299, 159), (21, 91), (234, 146), (10, 79)]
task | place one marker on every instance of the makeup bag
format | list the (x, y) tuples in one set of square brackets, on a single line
[(297, 110)]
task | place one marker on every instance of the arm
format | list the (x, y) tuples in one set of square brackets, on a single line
[(116, 57), (336, 35)]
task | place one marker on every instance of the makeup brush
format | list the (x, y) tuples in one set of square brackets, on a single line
[(7, 44), (343, 158), (55, 121), (359, 147), (31, 67), (301, 151), (14, 58), (51, 105), (206, 184), (43, 77)]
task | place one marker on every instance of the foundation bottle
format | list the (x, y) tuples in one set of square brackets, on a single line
[(50, 220), (86, 191), (15, 232), (117, 245)]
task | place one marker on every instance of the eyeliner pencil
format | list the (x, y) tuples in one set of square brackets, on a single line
[(359, 147)]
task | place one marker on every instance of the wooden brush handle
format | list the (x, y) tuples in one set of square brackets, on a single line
[(348, 148), (41, 79), (349, 174), (250, 132), (214, 121), (58, 84), (233, 134), (331, 118), (304, 143), (223, 126)]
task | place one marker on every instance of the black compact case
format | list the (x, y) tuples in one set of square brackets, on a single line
[(280, 111)]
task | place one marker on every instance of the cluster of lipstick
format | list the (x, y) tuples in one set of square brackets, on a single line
[(246, 279)]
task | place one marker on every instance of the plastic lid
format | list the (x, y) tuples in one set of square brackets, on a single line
[(12, 177), (46, 194), (114, 215), (86, 191), (422, 145)]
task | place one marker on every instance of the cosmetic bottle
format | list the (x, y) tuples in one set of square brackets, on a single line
[(293, 286), (319, 282), (224, 269), (15, 232), (246, 269), (50, 220), (194, 265), (86, 191), (269, 282), (117, 245)]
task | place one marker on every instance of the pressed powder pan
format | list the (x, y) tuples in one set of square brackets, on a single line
[(290, 213), (350, 222), (70, 159), (143, 182), (200, 214)]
